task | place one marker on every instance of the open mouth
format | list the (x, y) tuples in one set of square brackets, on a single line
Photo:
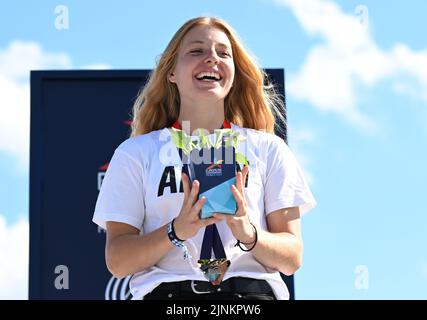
[(208, 76)]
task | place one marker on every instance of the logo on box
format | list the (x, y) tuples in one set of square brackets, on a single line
[(214, 169)]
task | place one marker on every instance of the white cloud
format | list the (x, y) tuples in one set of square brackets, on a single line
[(346, 59), (16, 61), (21, 57), (15, 120), (14, 253)]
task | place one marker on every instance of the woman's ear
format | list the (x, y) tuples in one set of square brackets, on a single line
[(172, 77)]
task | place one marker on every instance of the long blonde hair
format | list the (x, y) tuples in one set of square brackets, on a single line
[(252, 102)]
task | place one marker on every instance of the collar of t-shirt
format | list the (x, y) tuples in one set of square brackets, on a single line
[(225, 125)]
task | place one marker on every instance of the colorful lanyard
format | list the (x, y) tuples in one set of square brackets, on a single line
[(214, 270)]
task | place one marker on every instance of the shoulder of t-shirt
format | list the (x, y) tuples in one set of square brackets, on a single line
[(265, 140)]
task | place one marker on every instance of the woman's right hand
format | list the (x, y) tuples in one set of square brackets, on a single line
[(188, 222)]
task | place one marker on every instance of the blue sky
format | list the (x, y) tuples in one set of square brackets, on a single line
[(357, 112)]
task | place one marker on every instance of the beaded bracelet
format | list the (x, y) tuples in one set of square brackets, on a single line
[(253, 242), (177, 242)]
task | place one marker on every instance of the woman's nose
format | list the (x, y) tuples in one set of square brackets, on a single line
[(212, 58)]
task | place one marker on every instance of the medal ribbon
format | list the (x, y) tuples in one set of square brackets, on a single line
[(211, 238)]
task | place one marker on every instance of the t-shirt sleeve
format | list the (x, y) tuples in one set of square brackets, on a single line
[(121, 197), (285, 184)]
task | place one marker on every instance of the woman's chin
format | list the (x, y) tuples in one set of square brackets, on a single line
[(207, 84), (209, 95)]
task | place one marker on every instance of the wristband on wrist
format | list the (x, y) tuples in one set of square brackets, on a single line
[(177, 242), (253, 243)]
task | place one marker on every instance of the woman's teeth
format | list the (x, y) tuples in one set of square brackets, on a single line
[(208, 76)]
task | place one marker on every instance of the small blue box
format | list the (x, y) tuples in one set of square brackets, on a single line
[(215, 169)]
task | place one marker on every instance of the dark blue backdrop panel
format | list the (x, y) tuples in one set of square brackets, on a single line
[(78, 118)]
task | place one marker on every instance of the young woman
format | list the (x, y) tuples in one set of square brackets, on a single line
[(204, 79)]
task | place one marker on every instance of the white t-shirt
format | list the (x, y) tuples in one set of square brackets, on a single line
[(142, 188)]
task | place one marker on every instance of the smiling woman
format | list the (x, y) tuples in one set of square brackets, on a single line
[(210, 45), (204, 80), (204, 71)]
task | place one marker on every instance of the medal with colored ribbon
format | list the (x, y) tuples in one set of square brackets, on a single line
[(213, 269)]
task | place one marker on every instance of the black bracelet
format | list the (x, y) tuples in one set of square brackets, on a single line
[(253, 242), (172, 235), (177, 242), (173, 230)]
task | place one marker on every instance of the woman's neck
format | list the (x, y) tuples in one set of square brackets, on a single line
[(198, 116)]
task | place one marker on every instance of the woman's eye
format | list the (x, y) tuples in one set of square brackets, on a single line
[(200, 51)]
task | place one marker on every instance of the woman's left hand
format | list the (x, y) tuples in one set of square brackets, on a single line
[(239, 223)]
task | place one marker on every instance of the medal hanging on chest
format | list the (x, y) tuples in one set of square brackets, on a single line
[(213, 269)]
